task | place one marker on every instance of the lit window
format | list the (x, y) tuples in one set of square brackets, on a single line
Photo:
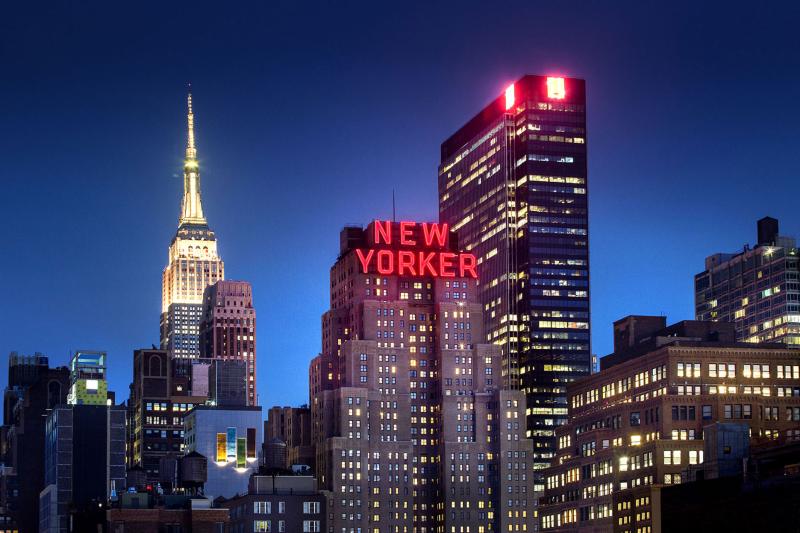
[(555, 88)]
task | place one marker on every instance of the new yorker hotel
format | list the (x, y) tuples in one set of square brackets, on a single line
[(512, 185), (413, 431)]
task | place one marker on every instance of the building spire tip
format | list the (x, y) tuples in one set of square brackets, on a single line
[(192, 209)]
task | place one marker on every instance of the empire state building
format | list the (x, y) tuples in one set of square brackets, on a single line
[(192, 264)]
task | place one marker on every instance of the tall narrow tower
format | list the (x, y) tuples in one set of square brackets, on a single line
[(513, 185), (192, 263)]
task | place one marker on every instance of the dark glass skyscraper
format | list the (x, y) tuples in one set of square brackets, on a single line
[(513, 185)]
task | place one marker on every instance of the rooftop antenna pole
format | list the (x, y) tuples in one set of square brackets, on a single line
[(394, 212)]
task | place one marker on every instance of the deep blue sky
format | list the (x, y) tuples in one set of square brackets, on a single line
[(308, 115)]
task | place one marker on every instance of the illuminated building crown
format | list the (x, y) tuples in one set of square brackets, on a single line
[(192, 206)]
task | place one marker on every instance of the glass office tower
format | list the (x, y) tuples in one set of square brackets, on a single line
[(513, 185)]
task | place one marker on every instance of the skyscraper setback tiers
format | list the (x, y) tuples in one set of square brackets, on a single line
[(513, 186), (192, 264), (413, 431)]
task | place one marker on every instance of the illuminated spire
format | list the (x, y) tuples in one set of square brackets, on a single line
[(191, 152), (192, 207)]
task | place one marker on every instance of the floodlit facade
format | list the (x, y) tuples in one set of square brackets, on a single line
[(513, 186), (192, 263), (640, 423), (229, 438), (413, 431), (757, 289)]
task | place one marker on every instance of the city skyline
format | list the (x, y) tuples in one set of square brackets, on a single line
[(79, 311)]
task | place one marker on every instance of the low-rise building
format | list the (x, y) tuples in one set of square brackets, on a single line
[(763, 497), (276, 504), (141, 513)]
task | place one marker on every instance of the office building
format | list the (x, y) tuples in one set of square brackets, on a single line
[(228, 437), (192, 264), (758, 289), (161, 393), (278, 503), (291, 425), (228, 328), (639, 424), (513, 186), (84, 463), (33, 390), (412, 429)]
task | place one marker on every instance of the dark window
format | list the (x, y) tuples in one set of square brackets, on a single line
[(53, 394), (155, 365)]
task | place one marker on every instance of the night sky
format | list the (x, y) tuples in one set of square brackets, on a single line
[(308, 115)]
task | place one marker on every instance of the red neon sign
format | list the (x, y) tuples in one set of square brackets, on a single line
[(510, 97), (420, 250), (556, 89)]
